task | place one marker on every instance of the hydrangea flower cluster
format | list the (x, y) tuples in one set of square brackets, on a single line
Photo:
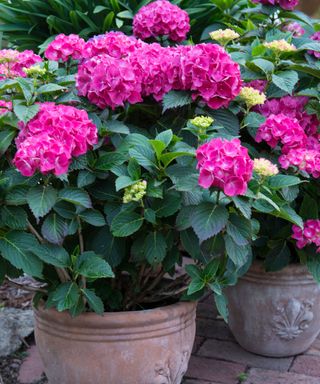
[(226, 165), (252, 96), (259, 85), (49, 140), (13, 63), (285, 4), (264, 167), (65, 47), (283, 129), (279, 46), (114, 44), (224, 36), (308, 235), (294, 107), (161, 18), (315, 37), (5, 106), (306, 160), (295, 28), (108, 82), (152, 70)]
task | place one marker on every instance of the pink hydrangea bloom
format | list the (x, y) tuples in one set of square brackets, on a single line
[(294, 107), (259, 85), (5, 106), (108, 82), (209, 71), (315, 37), (285, 4), (307, 160), (224, 164), (161, 18), (283, 129), (115, 44), (52, 137), (308, 235), (295, 28), (13, 62), (65, 47)]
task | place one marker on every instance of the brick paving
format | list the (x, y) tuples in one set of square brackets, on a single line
[(218, 359)]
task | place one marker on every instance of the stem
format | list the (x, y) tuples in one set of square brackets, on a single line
[(25, 287), (81, 244)]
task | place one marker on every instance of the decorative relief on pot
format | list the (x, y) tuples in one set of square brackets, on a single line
[(292, 318), (166, 375)]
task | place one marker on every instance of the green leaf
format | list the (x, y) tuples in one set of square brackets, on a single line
[(283, 181), (54, 229), (166, 137), (17, 248), (168, 206), (13, 217), (277, 258), (26, 87), (134, 169), (85, 178), (53, 254), (116, 126), (158, 147), (95, 303), (41, 199), (211, 269), (124, 182), (93, 217), (144, 155), (190, 243), (239, 254), (289, 214), (92, 266), (75, 196), (194, 272), (243, 205), (6, 138), (167, 158), (176, 99), (228, 120), (265, 66), (126, 223), (66, 296), (17, 195), (222, 306), (150, 215), (286, 80), (25, 113), (208, 220), (50, 88), (309, 208), (155, 248), (313, 264), (195, 286), (109, 160)]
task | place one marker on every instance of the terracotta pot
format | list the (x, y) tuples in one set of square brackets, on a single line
[(143, 347), (275, 313)]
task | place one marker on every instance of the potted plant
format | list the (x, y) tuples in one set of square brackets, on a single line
[(100, 198), (274, 307)]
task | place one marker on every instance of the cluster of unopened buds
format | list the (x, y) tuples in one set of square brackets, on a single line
[(280, 46), (202, 123), (252, 97), (224, 36), (135, 192), (265, 168), (34, 71)]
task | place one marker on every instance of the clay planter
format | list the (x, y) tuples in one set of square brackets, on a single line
[(275, 314), (143, 347)]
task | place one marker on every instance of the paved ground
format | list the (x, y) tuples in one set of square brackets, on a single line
[(218, 359)]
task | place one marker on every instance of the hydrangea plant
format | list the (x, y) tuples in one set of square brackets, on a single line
[(124, 159)]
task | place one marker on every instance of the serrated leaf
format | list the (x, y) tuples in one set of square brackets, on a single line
[(167, 206), (85, 178), (195, 286), (155, 248), (126, 223), (124, 182), (208, 220), (243, 205), (25, 113), (239, 254), (53, 254), (41, 200), (176, 99), (222, 306), (116, 126), (17, 247), (48, 88), (93, 266), (95, 303), (286, 80), (66, 296), (283, 181), (13, 217), (93, 217), (6, 138), (75, 196), (54, 229)]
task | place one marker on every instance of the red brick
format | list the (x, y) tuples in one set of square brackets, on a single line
[(231, 351), (197, 343), (307, 365), (214, 370), (259, 376), (31, 369), (216, 329)]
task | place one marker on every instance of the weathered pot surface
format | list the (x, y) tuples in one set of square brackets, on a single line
[(143, 347), (275, 313)]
